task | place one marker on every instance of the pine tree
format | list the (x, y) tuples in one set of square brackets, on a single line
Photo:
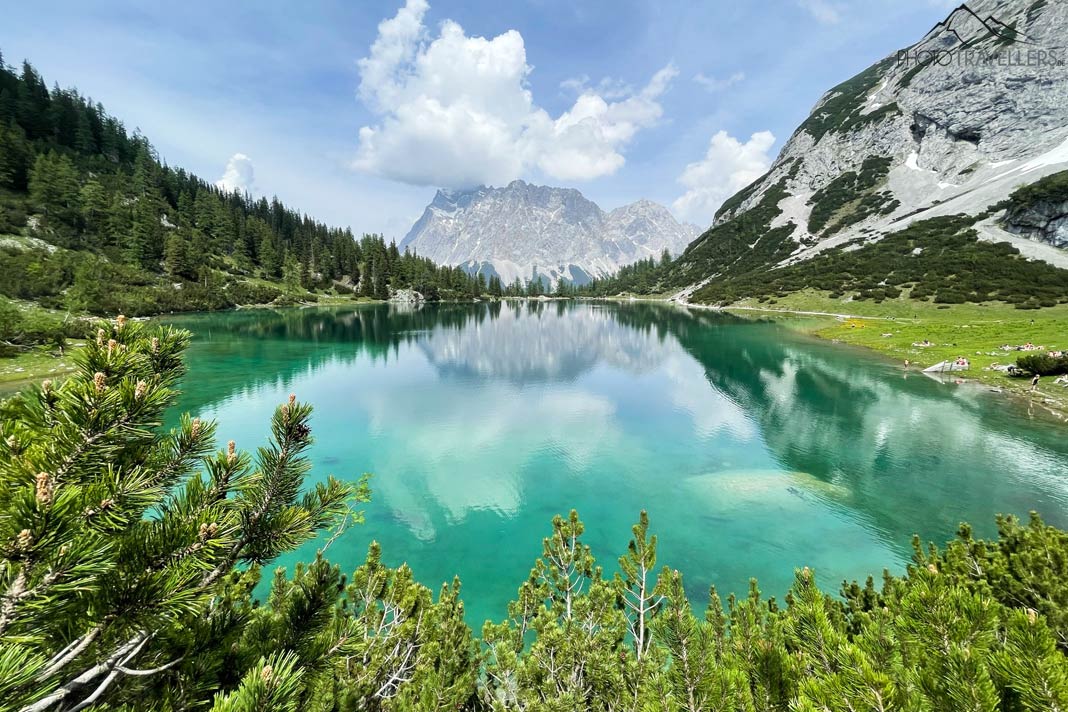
[(8, 112), (267, 250), (110, 543), (32, 103), (186, 211), (561, 289), (292, 274), (205, 209), (242, 255), (636, 585), (84, 140), (275, 683), (366, 282), (146, 174), (223, 230)]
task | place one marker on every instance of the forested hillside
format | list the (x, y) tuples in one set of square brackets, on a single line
[(92, 220), (130, 587), (940, 260)]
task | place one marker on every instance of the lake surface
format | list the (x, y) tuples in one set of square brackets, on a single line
[(755, 450)]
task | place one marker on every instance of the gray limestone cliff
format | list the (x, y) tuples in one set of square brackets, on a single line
[(953, 124), (525, 231)]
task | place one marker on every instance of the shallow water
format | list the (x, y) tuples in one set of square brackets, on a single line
[(755, 450)]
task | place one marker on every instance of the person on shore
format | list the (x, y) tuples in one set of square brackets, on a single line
[(1034, 383)]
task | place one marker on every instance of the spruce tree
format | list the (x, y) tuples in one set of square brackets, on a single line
[(561, 288), (143, 242), (381, 290), (54, 188), (84, 140), (119, 220), (177, 257), (186, 214), (14, 156), (94, 209)]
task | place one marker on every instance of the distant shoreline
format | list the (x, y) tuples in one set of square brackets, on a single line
[(21, 371)]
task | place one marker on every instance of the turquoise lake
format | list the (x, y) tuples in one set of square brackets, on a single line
[(756, 450)]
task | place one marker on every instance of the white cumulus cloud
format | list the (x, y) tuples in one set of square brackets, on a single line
[(238, 175), (456, 111), (728, 166)]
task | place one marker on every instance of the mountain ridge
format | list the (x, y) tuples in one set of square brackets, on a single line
[(525, 231), (944, 127)]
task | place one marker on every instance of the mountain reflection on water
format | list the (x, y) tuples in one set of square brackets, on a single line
[(755, 450)]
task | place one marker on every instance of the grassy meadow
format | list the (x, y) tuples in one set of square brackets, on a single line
[(975, 331)]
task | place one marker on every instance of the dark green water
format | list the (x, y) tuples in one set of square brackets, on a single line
[(755, 450)]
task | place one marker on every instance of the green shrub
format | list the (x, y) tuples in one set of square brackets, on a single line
[(240, 292), (12, 214), (845, 191), (20, 329), (841, 110), (942, 257), (1043, 364), (30, 274), (1052, 189)]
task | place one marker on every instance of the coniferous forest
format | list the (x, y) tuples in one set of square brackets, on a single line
[(130, 556), (91, 220)]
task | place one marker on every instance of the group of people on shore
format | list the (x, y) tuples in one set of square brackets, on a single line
[(962, 363), (1023, 347)]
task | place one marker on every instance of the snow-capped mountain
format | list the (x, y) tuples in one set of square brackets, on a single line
[(526, 231)]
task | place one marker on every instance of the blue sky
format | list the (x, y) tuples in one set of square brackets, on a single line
[(355, 122)]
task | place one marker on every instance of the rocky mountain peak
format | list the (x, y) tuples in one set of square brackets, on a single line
[(952, 124), (528, 231)]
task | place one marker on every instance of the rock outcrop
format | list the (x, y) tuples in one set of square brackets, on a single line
[(1043, 220), (407, 297)]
